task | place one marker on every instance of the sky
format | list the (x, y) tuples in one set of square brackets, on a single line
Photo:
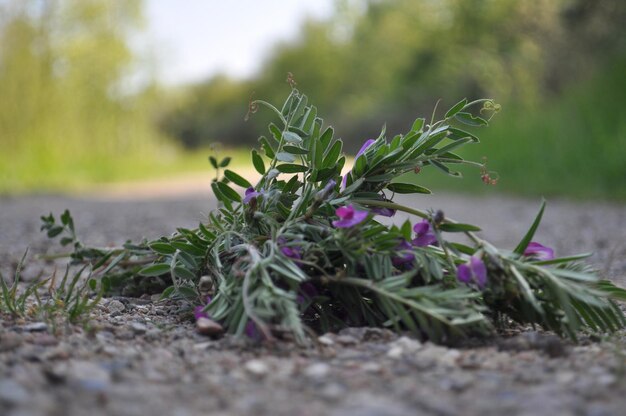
[(195, 39)]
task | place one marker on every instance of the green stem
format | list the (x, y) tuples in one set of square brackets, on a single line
[(422, 214)]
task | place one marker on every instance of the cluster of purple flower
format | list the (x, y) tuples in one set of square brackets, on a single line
[(475, 269)]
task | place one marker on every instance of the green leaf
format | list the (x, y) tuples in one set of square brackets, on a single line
[(183, 273), (257, 161), (291, 137), (458, 227), (155, 270), (54, 231), (169, 291), (330, 159), (228, 192), (225, 162), (188, 248), (295, 150), (66, 219), (162, 248), (237, 179), (456, 108), (418, 124), (267, 147), (213, 162), (291, 168), (470, 120), (66, 241), (531, 231), (407, 188), (456, 134)]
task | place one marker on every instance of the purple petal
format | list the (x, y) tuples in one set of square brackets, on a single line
[(345, 212), (344, 180), (422, 227), (367, 144), (424, 240), (250, 194), (479, 270), (463, 273), (291, 252), (329, 186), (349, 217), (308, 289), (385, 212), (252, 331), (539, 251), (199, 312)]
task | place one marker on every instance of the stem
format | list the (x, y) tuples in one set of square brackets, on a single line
[(422, 214)]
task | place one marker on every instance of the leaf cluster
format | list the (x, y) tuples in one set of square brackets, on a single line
[(275, 263)]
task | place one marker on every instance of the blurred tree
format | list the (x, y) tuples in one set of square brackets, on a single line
[(63, 67), (386, 60)]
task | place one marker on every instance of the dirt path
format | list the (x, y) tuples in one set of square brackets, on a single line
[(145, 358)]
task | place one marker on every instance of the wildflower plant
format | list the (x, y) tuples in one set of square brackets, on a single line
[(303, 250)]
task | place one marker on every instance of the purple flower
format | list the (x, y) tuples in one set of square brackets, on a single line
[(250, 194), (385, 212), (349, 217), (423, 234), (539, 251), (405, 254), (473, 271), (199, 312), (252, 331), (367, 144), (307, 291), (291, 252)]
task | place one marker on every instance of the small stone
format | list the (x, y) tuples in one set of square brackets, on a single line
[(325, 340), (138, 328), (83, 374), (317, 370), (10, 341), (346, 340), (209, 327), (12, 393), (257, 367), (333, 391), (372, 367), (403, 345), (45, 340), (36, 327), (115, 306)]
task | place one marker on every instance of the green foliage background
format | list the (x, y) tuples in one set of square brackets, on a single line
[(67, 111)]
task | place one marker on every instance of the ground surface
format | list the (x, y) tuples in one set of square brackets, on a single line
[(143, 358)]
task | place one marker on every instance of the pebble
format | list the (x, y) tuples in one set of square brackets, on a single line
[(209, 327), (138, 328), (87, 375), (326, 340), (317, 370), (403, 345), (346, 340), (257, 367), (45, 340), (12, 393), (10, 341), (36, 327), (115, 305)]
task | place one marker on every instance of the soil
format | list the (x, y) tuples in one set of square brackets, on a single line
[(139, 356)]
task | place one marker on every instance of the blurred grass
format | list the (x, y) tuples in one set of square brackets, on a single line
[(32, 174), (573, 146)]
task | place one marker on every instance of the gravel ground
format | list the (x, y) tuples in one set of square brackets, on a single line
[(144, 358)]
